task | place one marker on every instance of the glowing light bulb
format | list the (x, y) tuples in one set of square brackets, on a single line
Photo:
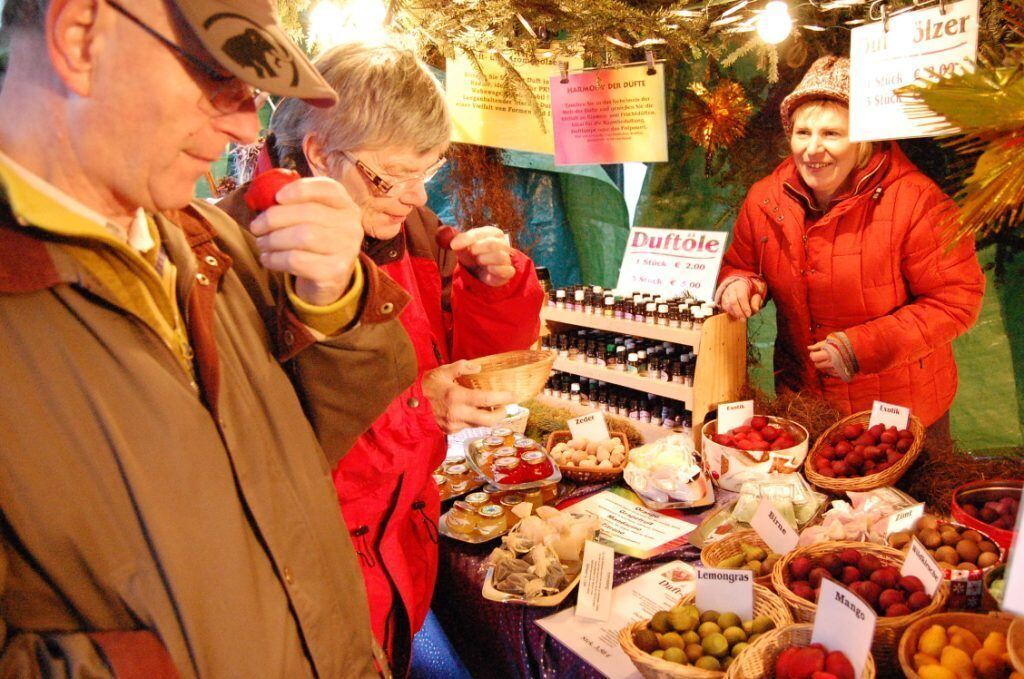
[(332, 23), (774, 24)]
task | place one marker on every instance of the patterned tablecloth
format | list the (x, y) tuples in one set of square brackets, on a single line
[(500, 640)]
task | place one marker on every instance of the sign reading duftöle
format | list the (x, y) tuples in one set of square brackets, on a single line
[(672, 261)]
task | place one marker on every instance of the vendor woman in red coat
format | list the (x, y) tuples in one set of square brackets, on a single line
[(849, 240), (384, 141)]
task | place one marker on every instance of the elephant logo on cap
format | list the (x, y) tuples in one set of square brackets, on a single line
[(254, 48), (249, 49)]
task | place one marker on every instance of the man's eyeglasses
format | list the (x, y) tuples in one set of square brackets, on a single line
[(229, 93), (394, 187)]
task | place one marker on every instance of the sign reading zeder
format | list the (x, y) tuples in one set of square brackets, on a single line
[(672, 261)]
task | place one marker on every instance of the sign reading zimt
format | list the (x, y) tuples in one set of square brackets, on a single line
[(936, 40), (486, 112), (672, 261)]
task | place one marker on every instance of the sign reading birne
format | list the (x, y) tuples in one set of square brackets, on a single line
[(672, 261)]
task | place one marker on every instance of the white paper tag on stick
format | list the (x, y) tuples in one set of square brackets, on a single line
[(920, 563), (775, 530), (905, 519), (590, 426), (889, 415), (1013, 599), (844, 622), (726, 589), (594, 600), (732, 415)]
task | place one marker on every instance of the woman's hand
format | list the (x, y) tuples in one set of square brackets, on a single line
[(486, 253), (827, 359), (456, 407), (738, 301)]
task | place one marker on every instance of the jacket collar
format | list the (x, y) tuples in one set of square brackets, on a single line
[(866, 181)]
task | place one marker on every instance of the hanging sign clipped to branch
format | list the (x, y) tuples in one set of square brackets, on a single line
[(485, 111), (898, 51), (610, 115)]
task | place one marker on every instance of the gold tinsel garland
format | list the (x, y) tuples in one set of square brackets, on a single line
[(716, 118)]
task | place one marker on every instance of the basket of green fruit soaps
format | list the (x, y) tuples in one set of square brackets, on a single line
[(744, 550), (688, 643)]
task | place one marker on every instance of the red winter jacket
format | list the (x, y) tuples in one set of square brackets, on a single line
[(384, 483), (873, 266)]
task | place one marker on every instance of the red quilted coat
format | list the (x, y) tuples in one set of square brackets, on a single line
[(387, 494), (873, 266)]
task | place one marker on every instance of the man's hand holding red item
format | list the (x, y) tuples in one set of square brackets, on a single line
[(313, 232), (486, 253)]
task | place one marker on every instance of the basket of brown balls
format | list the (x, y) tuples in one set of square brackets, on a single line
[(588, 461)]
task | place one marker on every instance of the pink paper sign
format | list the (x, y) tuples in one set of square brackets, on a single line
[(610, 115)]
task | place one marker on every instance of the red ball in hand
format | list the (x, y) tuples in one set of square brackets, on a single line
[(263, 190)]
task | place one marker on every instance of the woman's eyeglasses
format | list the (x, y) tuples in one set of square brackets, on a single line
[(393, 187)]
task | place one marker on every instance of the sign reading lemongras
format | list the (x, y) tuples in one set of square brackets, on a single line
[(937, 40), (672, 261)]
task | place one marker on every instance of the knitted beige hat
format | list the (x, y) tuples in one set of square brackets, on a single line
[(827, 78)]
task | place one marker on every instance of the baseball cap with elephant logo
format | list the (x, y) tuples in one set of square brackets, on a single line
[(245, 37)]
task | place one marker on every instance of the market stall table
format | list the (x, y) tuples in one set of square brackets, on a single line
[(500, 639)]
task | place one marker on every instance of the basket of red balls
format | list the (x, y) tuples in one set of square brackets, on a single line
[(852, 456), (870, 571)]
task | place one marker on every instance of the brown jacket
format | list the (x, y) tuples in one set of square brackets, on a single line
[(136, 502)]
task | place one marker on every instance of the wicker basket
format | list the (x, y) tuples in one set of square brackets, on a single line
[(719, 550), (523, 373), (765, 603), (589, 474), (887, 477), (758, 660), (887, 630), (1015, 643), (980, 624)]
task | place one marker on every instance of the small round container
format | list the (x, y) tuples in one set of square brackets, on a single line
[(491, 520), (493, 442), (989, 602), (536, 465), (979, 492), (506, 435), (440, 480), (477, 499), (506, 470), (462, 518), (510, 500)]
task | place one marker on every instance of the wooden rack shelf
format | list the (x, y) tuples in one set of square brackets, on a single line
[(720, 346)]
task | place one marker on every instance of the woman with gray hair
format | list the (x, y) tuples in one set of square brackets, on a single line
[(384, 141)]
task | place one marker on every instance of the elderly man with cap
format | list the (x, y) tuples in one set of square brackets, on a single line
[(169, 381), (848, 239)]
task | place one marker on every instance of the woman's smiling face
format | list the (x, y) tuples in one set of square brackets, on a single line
[(824, 155)]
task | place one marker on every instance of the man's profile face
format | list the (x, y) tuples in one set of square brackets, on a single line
[(146, 129)]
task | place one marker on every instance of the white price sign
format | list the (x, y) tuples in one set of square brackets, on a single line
[(773, 528), (942, 38), (844, 622), (672, 261), (1013, 594), (726, 589), (921, 564), (594, 600), (732, 415), (590, 426), (889, 415), (904, 519)]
